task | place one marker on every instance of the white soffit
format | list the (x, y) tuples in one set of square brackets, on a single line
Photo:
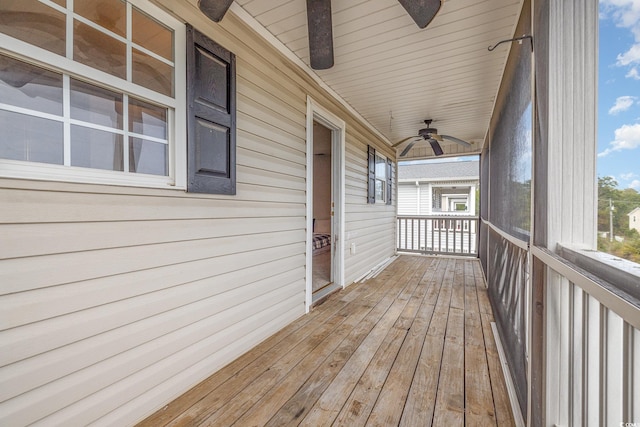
[(394, 74)]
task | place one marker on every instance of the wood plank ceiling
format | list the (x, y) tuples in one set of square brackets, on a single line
[(395, 74)]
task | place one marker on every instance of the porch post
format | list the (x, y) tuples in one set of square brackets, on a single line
[(472, 200), (568, 216)]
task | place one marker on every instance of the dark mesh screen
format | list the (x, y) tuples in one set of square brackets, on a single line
[(508, 270), (508, 172), (484, 206), (511, 142)]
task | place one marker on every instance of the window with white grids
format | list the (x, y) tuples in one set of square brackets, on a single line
[(381, 179), (91, 91)]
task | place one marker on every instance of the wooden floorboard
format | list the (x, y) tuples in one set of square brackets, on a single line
[(412, 346)]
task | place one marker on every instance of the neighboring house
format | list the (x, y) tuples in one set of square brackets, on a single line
[(438, 188), (634, 219)]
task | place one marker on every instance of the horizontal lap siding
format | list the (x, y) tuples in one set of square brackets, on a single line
[(116, 300), (109, 295), (408, 199), (370, 226)]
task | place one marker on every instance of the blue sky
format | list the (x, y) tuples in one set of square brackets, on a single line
[(619, 92)]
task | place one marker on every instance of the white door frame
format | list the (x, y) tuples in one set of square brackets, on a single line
[(338, 130)]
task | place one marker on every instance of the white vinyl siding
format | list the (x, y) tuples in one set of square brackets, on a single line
[(418, 200), (408, 199), (370, 226), (414, 199), (425, 199), (115, 300)]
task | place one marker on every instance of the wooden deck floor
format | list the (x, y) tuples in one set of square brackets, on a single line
[(411, 347)]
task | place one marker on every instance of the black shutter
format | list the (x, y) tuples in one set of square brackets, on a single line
[(211, 116), (371, 188), (389, 182)]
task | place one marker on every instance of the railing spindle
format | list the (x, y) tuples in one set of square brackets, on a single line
[(427, 233)]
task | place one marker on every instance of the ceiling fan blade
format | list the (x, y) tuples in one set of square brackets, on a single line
[(403, 140), (422, 11), (458, 140), (437, 150), (320, 34), (407, 148), (214, 9), (436, 137)]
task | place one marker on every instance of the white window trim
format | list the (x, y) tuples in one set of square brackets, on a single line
[(338, 127), (384, 180), (176, 117)]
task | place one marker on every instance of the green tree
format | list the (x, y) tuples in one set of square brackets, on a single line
[(623, 201), (607, 196), (607, 186)]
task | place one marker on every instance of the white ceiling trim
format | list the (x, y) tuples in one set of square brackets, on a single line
[(271, 39)]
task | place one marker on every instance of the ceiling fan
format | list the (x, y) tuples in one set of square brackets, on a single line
[(430, 135), (319, 23)]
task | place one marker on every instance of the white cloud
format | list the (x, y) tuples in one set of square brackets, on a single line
[(635, 184), (633, 74), (627, 137), (625, 14), (623, 103), (629, 57), (628, 176)]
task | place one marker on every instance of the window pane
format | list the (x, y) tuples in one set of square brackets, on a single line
[(151, 73), (150, 34), (95, 105), (91, 148), (109, 14), (381, 168), (147, 157), (29, 138), (380, 189), (147, 119), (35, 23), (27, 86), (98, 50)]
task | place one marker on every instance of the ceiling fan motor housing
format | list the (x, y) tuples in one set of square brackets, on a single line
[(426, 132)]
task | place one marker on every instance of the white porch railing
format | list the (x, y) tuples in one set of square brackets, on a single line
[(593, 346), (441, 234)]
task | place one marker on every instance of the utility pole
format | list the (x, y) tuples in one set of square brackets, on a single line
[(610, 221)]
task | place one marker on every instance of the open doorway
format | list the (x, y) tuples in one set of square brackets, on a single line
[(325, 203), (323, 250)]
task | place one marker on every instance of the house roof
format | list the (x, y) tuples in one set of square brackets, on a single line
[(634, 211), (440, 171)]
